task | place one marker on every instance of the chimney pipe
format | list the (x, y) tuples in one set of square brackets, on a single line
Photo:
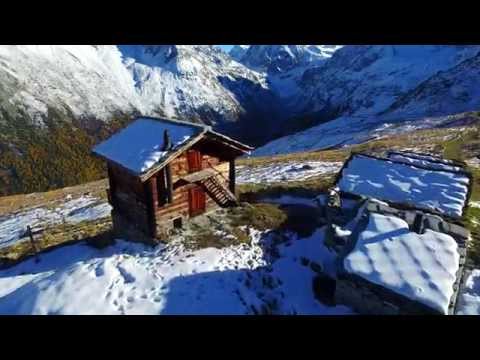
[(167, 143)]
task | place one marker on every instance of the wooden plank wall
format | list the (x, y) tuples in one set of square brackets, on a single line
[(138, 202), (180, 206), (129, 197)]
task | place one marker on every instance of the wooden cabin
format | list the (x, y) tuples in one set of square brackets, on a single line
[(163, 172)]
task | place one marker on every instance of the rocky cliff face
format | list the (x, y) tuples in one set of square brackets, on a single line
[(97, 81), (50, 94), (362, 91), (446, 92)]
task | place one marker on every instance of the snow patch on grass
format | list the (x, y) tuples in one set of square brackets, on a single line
[(13, 227), (287, 171), (344, 131)]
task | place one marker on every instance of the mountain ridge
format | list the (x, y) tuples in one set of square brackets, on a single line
[(89, 91)]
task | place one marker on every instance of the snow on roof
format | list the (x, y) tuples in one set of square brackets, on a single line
[(138, 147), (426, 161), (421, 267), (445, 192), (415, 155)]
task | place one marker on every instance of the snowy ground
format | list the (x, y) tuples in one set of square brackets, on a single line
[(13, 226), (286, 171), (130, 278), (469, 299)]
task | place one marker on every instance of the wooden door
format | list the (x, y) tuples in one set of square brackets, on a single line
[(194, 158), (196, 200)]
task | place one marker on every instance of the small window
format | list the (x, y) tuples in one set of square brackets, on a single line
[(177, 223)]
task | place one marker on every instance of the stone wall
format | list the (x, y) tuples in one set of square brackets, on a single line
[(430, 221), (367, 298), (125, 229)]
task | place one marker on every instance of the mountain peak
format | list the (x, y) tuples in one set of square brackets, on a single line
[(238, 51), (282, 58)]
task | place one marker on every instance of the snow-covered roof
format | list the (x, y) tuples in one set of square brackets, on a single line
[(441, 191), (426, 161), (420, 267), (139, 147)]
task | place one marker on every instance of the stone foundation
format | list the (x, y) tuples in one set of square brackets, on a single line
[(166, 226), (367, 298)]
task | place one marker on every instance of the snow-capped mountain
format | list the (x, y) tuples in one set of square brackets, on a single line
[(368, 79), (276, 59), (192, 82), (199, 83), (57, 101), (363, 91), (446, 92), (81, 81), (237, 51), (202, 83), (269, 91), (284, 66)]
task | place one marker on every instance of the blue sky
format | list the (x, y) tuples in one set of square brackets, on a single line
[(225, 48)]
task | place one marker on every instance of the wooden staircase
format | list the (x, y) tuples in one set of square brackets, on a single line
[(208, 180), (218, 192)]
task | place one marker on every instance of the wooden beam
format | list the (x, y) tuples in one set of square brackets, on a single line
[(199, 175), (154, 192), (111, 183), (231, 142), (150, 188), (169, 183)]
